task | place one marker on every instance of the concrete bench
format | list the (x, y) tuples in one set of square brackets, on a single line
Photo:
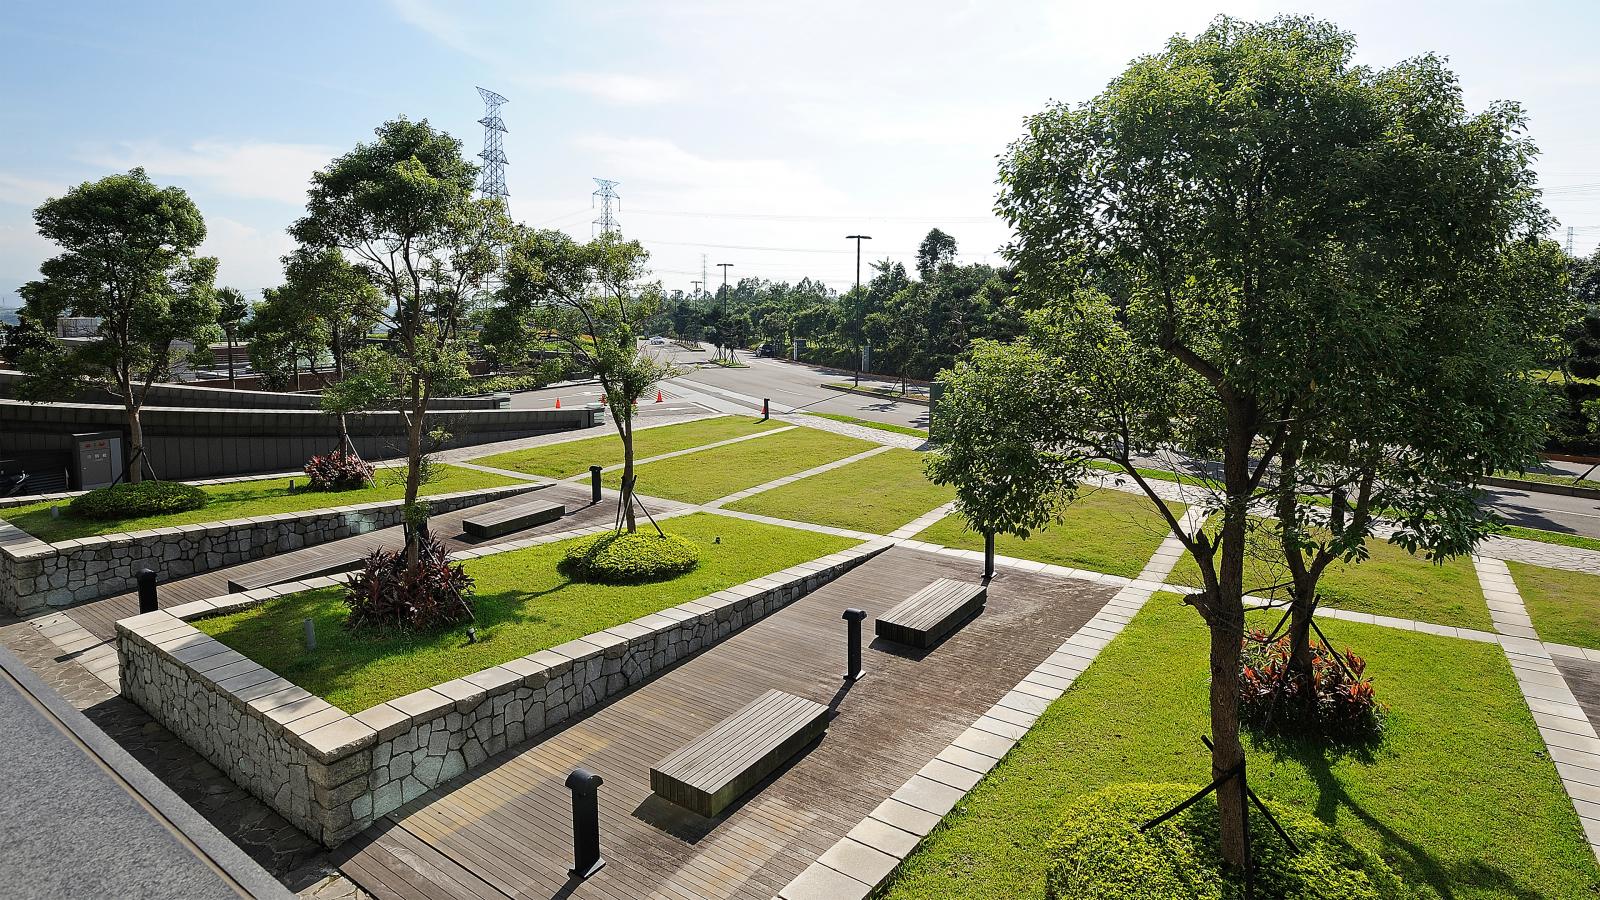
[(330, 563), (718, 767), (514, 518), (923, 619)]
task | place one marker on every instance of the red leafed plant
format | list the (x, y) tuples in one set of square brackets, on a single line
[(338, 471), (1342, 704), (387, 594)]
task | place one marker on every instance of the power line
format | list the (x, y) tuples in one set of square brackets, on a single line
[(810, 218)]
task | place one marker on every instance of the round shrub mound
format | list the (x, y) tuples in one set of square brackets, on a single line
[(620, 558), (1099, 853), (128, 501)]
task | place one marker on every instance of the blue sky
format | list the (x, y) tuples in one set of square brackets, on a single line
[(755, 133)]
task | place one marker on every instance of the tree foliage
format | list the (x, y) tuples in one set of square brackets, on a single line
[(127, 259), (1324, 277)]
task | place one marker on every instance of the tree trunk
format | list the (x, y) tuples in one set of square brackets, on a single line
[(135, 471), (1300, 612), (625, 426), (416, 528), (1226, 620)]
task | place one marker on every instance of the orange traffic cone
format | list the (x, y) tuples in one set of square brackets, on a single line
[(602, 398), (558, 403), (658, 397)]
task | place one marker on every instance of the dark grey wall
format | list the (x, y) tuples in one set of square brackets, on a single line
[(205, 443), (189, 396)]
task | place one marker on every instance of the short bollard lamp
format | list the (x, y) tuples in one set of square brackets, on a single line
[(853, 663), (147, 590), (585, 787), (594, 484)]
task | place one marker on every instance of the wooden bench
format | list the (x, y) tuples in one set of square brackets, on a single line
[(718, 767), (923, 619), (514, 518), (331, 563)]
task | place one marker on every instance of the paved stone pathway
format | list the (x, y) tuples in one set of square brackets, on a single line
[(848, 429)]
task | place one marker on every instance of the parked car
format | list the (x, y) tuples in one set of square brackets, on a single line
[(766, 350), (658, 341)]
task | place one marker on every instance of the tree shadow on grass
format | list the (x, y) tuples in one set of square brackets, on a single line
[(1412, 861)]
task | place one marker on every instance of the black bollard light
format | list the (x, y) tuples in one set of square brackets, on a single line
[(585, 787), (594, 484), (766, 407), (988, 555), (854, 617), (147, 590)]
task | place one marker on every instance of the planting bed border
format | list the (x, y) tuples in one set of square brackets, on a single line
[(332, 773)]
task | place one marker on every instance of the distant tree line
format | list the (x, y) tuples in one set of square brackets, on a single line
[(916, 325)]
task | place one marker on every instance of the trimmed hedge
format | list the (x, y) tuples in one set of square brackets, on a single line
[(130, 501), (1099, 853), (621, 558)]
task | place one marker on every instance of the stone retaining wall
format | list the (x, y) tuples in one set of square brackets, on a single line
[(333, 774), (35, 575)]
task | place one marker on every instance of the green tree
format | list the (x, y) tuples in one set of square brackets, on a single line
[(1246, 245), (128, 259), (283, 330), (936, 251), (591, 297), (232, 309), (402, 208)]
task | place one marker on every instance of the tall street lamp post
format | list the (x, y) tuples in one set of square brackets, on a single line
[(858, 238)]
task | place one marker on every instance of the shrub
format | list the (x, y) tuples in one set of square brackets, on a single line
[(1345, 706), (620, 558), (129, 501), (1100, 854), (338, 472), (386, 594)]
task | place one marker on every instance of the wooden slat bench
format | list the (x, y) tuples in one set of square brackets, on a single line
[(514, 518), (330, 563), (923, 619), (718, 767)]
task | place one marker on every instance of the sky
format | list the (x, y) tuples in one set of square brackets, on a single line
[(751, 133)]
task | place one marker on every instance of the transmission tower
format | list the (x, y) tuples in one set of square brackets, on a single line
[(606, 194), (493, 185)]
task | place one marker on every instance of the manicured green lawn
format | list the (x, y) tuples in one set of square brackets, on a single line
[(1460, 798), (1564, 606), (238, 499), (877, 494), (1391, 582), (1104, 530), (523, 605), (709, 474), (575, 457), (867, 423)]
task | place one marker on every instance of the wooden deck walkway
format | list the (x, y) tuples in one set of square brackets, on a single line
[(99, 616), (505, 831)]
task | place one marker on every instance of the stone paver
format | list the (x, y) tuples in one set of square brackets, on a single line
[(876, 435)]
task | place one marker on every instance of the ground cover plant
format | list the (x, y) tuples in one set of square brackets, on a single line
[(522, 604), (575, 457), (1460, 798), (624, 558), (1564, 606), (709, 474), (1104, 530), (1391, 582), (878, 495), (144, 498), (239, 499)]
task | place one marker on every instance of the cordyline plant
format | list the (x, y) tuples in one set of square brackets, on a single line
[(388, 593), (1253, 260)]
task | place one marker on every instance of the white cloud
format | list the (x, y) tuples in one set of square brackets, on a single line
[(612, 87), (660, 173), (29, 192), (247, 257), (257, 170)]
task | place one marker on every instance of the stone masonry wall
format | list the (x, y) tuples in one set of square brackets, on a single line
[(333, 774), (35, 575)]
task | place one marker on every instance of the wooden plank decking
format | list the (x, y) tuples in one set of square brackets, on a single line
[(505, 830), (99, 617)]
